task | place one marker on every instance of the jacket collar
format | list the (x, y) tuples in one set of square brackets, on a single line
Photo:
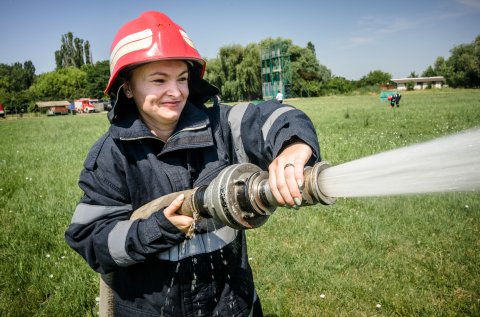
[(192, 130)]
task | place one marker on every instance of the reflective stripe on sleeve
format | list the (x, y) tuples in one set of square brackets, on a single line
[(235, 121), (255, 298), (199, 244), (85, 213), (271, 120), (116, 243)]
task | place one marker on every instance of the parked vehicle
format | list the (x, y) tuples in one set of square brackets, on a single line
[(2, 112), (86, 105), (57, 110)]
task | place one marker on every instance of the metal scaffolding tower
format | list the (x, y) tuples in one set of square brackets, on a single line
[(276, 71)]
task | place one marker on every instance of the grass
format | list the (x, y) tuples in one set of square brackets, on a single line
[(391, 256)]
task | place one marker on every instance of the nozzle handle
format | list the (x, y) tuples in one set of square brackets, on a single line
[(188, 207)]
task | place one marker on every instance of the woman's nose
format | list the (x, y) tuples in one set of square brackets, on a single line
[(173, 89)]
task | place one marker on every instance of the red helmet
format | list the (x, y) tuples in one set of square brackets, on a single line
[(152, 36)]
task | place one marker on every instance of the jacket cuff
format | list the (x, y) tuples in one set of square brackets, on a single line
[(158, 226), (296, 139)]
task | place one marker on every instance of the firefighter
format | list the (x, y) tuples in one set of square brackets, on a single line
[(163, 139)]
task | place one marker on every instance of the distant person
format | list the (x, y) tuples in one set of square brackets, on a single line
[(71, 108), (395, 100), (279, 97), (163, 139)]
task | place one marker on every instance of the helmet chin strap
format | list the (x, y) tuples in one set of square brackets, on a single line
[(118, 93)]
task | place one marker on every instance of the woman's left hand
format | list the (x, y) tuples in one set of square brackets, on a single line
[(286, 173)]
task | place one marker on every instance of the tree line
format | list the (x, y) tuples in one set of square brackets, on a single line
[(236, 71)]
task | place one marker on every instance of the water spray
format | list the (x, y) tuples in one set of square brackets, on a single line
[(447, 164)]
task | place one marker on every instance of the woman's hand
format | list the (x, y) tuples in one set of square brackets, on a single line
[(286, 173), (182, 222)]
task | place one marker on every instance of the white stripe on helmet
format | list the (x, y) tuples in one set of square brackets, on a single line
[(130, 43)]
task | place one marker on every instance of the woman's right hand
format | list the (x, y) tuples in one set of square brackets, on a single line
[(182, 222)]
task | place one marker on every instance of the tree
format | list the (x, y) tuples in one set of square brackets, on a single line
[(429, 72), (375, 78), (442, 68), (74, 52), (229, 57), (96, 78), (66, 83), (88, 53), (338, 85), (307, 73), (413, 75), (311, 47), (248, 72), (462, 68), (214, 74), (17, 77), (465, 64)]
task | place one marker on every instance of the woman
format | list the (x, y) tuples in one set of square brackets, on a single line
[(162, 139)]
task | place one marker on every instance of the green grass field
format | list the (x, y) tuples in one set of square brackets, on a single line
[(415, 255)]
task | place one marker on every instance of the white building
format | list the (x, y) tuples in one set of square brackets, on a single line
[(420, 82)]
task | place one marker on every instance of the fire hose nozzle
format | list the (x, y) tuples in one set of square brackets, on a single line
[(312, 193), (241, 198)]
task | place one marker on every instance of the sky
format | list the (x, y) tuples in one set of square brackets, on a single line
[(351, 38)]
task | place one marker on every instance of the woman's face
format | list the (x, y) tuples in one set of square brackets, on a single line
[(160, 90)]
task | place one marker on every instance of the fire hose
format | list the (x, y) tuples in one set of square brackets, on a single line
[(239, 197)]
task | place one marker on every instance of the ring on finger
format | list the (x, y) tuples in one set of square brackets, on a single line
[(288, 164)]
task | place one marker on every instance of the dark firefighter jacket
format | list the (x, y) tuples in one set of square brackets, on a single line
[(156, 269)]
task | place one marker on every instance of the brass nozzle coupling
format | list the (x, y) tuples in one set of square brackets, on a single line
[(241, 198)]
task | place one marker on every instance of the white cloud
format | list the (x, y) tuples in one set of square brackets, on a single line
[(473, 4), (372, 29)]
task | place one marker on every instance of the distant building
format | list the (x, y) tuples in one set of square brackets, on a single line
[(420, 82), (53, 107)]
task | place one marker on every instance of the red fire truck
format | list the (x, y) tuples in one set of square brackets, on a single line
[(85, 105)]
